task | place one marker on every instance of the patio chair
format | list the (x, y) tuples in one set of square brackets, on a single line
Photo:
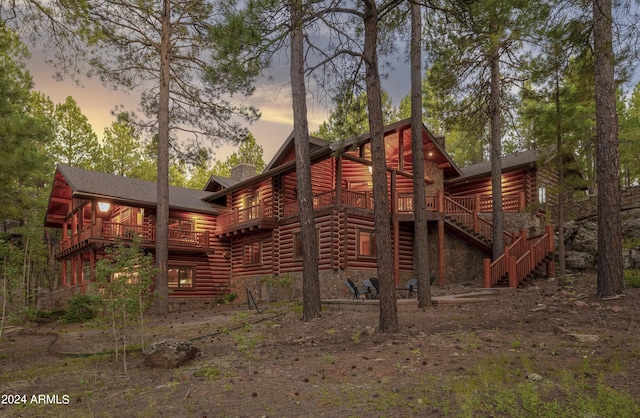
[(412, 285), (368, 288), (353, 289), (376, 285)]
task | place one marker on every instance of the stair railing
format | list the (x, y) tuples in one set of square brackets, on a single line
[(464, 212), (519, 260)]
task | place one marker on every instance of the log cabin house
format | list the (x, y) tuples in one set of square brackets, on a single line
[(240, 230)]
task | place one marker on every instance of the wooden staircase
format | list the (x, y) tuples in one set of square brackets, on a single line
[(523, 255)]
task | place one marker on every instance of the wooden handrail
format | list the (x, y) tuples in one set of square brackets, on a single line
[(519, 259), (114, 231)]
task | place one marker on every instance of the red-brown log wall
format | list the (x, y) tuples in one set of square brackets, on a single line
[(512, 182)]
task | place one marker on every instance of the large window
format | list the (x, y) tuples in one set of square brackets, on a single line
[(181, 277), (253, 253), (366, 243)]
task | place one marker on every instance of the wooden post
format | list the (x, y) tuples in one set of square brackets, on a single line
[(72, 279), (441, 201), (476, 211), (511, 262), (441, 258), (486, 267), (521, 201), (92, 264), (401, 149), (339, 180), (63, 276)]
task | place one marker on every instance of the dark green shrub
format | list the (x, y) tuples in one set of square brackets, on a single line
[(81, 308)]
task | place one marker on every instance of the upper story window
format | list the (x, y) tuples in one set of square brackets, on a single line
[(184, 224), (542, 194), (250, 204)]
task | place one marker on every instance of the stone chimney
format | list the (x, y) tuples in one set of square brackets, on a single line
[(243, 171)]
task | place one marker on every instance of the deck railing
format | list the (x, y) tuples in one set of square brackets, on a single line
[(240, 215), (519, 259), (404, 203), (363, 200), (114, 231), (457, 210)]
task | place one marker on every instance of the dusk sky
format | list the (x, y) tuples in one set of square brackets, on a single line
[(272, 97)]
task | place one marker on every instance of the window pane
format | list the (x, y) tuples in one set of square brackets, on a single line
[(181, 277), (366, 243)]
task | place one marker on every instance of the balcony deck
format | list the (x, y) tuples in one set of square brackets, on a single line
[(112, 232)]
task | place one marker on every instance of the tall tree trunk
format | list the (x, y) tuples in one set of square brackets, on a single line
[(496, 156), (388, 303), (562, 265), (610, 271), (162, 215), (421, 243), (311, 306)]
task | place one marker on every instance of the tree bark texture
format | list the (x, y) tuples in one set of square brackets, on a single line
[(610, 269), (311, 305), (388, 303), (421, 247), (496, 156), (562, 265), (162, 216)]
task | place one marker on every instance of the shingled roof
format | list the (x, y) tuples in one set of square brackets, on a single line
[(509, 162), (72, 182)]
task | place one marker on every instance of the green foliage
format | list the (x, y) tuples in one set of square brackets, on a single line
[(76, 144), (351, 117), (125, 277), (81, 308), (632, 277), (631, 243), (121, 150), (248, 152), (629, 137), (228, 298)]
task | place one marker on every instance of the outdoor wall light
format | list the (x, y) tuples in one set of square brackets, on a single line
[(104, 206)]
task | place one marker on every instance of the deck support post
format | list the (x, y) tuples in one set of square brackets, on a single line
[(513, 280), (339, 180), (486, 267), (63, 276)]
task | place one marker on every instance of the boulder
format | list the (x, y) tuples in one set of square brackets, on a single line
[(585, 239), (631, 227), (631, 259), (580, 260), (169, 354)]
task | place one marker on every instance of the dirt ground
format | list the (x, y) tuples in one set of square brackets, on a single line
[(559, 350)]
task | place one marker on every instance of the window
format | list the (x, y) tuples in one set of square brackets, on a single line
[(297, 243), (182, 224), (181, 277), (250, 204), (542, 194), (366, 243), (253, 253)]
